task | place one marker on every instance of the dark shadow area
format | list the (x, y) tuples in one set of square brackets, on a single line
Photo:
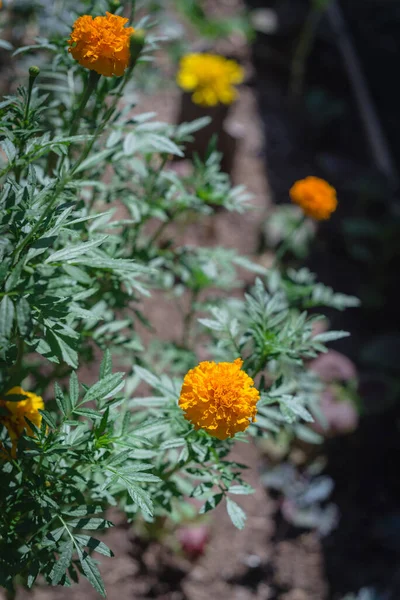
[(315, 124)]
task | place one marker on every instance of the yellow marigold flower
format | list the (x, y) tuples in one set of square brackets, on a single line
[(101, 44), (219, 398), (14, 420), (211, 78), (315, 196)]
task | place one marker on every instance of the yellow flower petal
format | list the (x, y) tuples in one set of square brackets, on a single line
[(14, 420), (211, 78)]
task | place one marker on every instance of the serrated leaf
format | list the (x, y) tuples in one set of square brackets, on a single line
[(73, 389), (241, 489), (6, 317), (90, 413), (105, 388), (236, 513), (163, 144), (63, 563), (62, 402), (106, 365), (142, 499), (330, 336), (77, 250), (47, 417), (93, 544), (90, 523), (92, 572), (95, 160), (23, 316)]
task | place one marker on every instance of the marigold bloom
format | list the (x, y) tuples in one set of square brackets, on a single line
[(219, 398), (101, 44), (14, 420), (315, 196), (211, 78)]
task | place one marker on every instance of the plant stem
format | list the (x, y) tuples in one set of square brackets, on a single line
[(91, 85), (188, 320), (283, 248)]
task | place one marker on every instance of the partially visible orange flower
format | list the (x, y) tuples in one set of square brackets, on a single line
[(219, 398), (210, 77), (101, 44), (14, 420), (315, 196)]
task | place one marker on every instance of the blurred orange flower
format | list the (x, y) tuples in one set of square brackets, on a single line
[(219, 398), (315, 196), (101, 44)]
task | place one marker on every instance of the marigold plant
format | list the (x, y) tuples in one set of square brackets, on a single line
[(315, 196), (210, 78)]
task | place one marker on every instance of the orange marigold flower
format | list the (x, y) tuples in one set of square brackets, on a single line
[(315, 196), (101, 44), (219, 398), (210, 77), (14, 420)]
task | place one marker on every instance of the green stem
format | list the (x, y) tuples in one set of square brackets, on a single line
[(188, 320), (91, 85), (15, 377), (28, 99), (283, 248)]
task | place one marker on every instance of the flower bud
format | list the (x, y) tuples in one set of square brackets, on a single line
[(34, 71), (114, 5), (136, 45)]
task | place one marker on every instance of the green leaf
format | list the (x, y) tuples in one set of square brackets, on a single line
[(88, 412), (95, 160), (163, 144), (91, 571), (73, 389), (24, 316), (241, 489), (142, 499), (93, 544), (62, 403), (69, 354), (105, 388), (106, 365), (77, 250), (63, 563), (90, 523), (6, 317), (48, 418), (330, 336), (236, 513), (14, 277)]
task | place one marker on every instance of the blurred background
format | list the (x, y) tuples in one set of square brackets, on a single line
[(320, 97)]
